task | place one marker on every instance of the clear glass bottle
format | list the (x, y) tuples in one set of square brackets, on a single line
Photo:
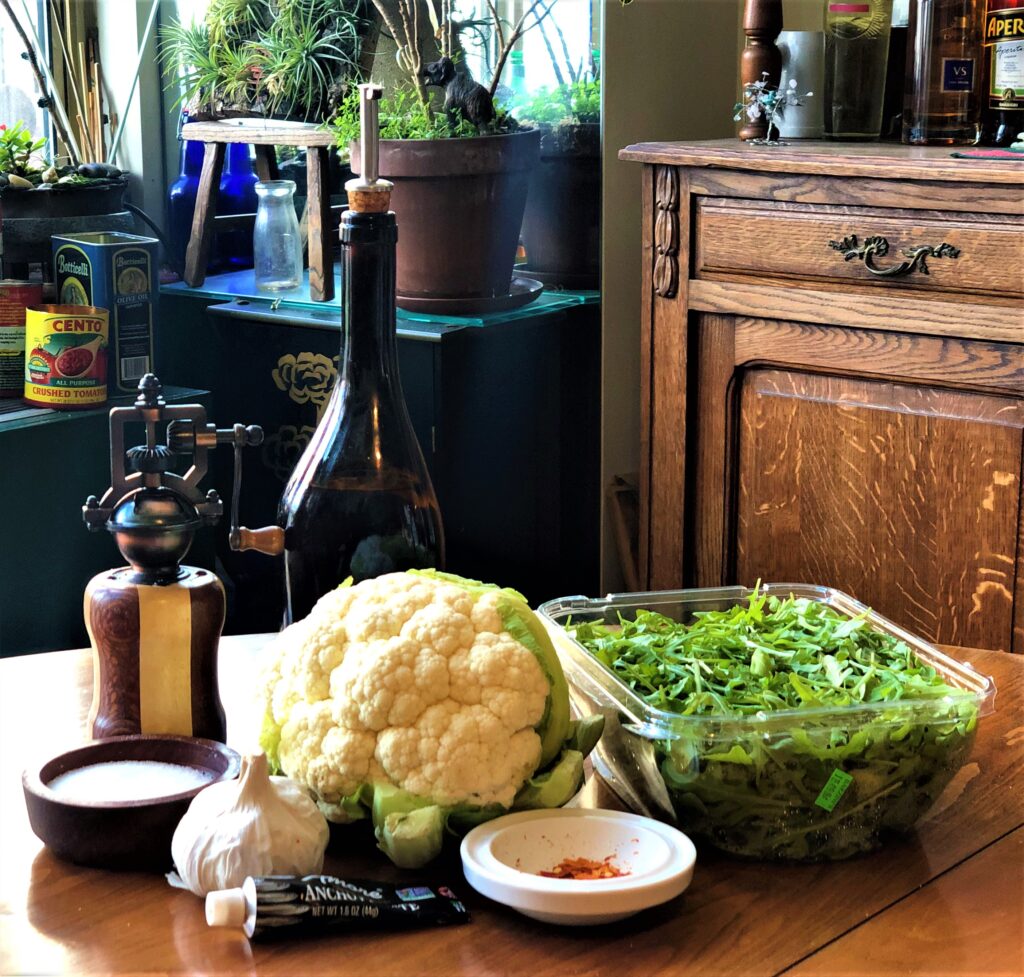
[(277, 246), (856, 53), (360, 502), (942, 104)]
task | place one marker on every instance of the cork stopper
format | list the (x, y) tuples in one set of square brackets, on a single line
[(368, 193)]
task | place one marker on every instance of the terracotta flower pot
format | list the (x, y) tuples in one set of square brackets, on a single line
[(459, 204), (562, 224)]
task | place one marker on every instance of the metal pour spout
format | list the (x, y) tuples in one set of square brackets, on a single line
[(368, 193), (369, 132)]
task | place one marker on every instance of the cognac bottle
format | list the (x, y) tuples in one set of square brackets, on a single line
[(942, 105)]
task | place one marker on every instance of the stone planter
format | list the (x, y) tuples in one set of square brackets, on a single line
[(562, 224)]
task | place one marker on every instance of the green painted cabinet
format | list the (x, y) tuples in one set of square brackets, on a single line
[(506, 408)]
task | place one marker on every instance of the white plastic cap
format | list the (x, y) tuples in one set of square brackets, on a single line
[(226, 907)]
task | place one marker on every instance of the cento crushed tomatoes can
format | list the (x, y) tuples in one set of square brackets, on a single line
[(66, 356), (15, 297)]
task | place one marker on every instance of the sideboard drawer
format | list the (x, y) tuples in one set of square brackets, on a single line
[(954, 252)]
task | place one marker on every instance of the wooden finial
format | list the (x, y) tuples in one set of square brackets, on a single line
[(762, 23)]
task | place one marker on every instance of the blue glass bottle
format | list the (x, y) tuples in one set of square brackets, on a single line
[(181, 199), (237, 195)]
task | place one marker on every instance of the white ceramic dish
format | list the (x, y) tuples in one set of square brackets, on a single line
[(501, 860)]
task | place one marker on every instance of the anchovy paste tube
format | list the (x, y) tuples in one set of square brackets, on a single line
[(287, 905)]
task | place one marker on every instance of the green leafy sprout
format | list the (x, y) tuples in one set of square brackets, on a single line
[(19, 151), (575, 102), (766, 700), (403, 116)]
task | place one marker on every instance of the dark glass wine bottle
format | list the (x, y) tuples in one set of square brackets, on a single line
[(360, 502)]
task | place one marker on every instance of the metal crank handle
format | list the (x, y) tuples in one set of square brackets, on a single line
[(268, 540)]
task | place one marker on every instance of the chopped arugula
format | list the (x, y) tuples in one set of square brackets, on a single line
[(767, 700)]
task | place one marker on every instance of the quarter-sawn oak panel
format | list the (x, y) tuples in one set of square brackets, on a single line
[(906, 497)]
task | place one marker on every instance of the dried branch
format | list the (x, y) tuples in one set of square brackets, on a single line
[(513, 37), (573, 73), (50, 96), (447, 28), (551, 54), (499, 31), (406, 40)]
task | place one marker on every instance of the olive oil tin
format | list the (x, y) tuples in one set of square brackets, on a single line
[(15, 297), (66, 356), (117, 272)]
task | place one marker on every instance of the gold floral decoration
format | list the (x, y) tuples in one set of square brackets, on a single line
[(282, 449), (307, 378)]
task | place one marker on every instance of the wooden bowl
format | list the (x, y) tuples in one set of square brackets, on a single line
[(127, 835)]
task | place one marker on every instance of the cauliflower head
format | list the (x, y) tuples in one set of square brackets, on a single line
[(417, 696)]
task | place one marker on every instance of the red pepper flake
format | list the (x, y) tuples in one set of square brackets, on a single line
[(585, 869)]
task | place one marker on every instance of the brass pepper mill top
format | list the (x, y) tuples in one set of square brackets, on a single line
[(152, 511)]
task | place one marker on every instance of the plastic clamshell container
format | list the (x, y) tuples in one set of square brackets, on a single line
[(899, 754)]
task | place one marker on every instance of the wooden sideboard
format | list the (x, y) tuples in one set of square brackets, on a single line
[(822, 400)]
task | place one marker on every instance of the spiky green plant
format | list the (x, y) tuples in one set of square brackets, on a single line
[(235, 20), (306, 49), (278, 56)]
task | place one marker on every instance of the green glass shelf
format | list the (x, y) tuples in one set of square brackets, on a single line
[(241, 285)]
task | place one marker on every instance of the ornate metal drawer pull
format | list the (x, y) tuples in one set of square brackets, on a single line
[(878, 246)]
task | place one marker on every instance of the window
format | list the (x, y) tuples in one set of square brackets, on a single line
[(556, 51), (19, 91)]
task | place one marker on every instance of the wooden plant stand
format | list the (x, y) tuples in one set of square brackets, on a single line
[(215, 136)]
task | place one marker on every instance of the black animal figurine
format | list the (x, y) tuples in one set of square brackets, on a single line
[(460, 92)]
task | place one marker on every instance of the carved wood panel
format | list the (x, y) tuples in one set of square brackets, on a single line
[(666, 232), (907, 497)]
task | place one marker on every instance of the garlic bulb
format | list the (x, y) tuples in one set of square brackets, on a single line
[(256, 825)]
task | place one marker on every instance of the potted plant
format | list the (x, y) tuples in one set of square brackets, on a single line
[(459, 187), (32, 186), (282, 59), (562, 224)]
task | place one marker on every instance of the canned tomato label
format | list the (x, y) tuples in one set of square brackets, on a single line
[(66, 356), (14, 298)]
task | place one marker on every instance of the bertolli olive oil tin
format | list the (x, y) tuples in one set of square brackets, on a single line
[(117, 272)]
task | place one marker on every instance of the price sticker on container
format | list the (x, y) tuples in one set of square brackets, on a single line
[(834, 788)]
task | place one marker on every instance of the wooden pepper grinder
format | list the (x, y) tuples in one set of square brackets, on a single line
[(155, 624)]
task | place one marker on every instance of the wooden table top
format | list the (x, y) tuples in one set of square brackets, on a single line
[(876, 160), (948, 899)]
